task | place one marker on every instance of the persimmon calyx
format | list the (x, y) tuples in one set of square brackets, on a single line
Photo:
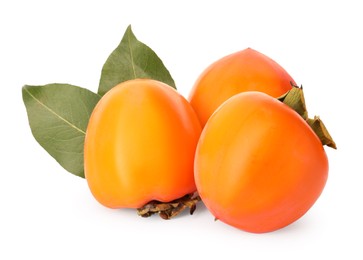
[(168, 210), (294, 98), (319, 128)]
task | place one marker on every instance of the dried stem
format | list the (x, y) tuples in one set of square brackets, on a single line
[(167, 210)]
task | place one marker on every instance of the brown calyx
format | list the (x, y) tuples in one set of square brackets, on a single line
[(167, 210)]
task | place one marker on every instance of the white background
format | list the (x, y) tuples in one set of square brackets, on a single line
[(47, 213)]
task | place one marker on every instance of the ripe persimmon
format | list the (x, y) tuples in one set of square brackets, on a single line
[(140, 145), (258, 165), (246, 70)]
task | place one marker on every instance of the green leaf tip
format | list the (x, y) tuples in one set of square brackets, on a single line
[(130, 60), (295, 99), (58, 116)]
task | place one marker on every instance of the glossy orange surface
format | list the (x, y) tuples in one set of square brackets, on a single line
[(246, 70), (140, 145), (259, 166)]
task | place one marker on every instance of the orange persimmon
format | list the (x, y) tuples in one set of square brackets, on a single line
[(246, 70), (140, 145), (258, 165)]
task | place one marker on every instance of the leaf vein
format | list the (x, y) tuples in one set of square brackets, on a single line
[(131, 56), (54, 113)]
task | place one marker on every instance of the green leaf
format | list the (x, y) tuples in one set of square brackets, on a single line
[(130, 60), (58, 116)]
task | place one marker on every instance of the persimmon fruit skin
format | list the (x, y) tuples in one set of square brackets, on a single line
[(140, 144), (246, 70), (258, 165)]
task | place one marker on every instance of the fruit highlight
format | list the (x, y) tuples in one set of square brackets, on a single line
[(140, 144), (259, 166), (246, 70)]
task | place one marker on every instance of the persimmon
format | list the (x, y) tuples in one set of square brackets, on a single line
[(259, 166), (140, 145), (246, 70)]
